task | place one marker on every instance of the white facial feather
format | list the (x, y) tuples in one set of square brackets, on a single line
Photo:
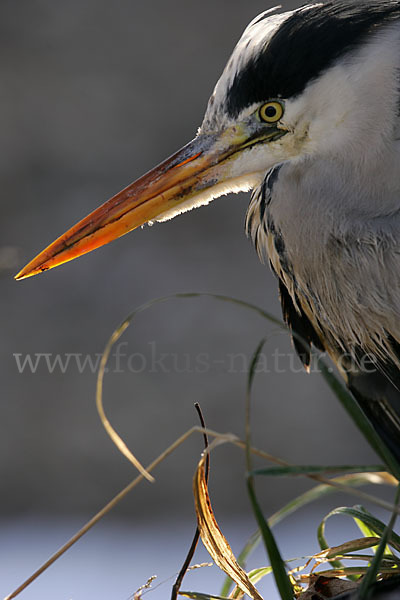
[(353, 105)]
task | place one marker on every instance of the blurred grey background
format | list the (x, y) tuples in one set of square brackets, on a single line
[(94, 93)]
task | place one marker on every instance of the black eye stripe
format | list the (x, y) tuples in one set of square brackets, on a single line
[(303, 46)]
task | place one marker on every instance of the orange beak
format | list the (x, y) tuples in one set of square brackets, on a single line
[(173, 182), (189, 178)]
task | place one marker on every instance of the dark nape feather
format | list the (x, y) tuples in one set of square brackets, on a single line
[(307, 43), (299, 323)]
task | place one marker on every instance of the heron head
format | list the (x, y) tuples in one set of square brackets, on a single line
[(292, 88)]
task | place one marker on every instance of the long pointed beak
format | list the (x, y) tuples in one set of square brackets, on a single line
[(202, 164), (159, 191)]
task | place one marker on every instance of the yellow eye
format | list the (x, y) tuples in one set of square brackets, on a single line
[(271, 112)]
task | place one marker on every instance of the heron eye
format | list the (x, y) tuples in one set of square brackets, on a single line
[(271, 112)]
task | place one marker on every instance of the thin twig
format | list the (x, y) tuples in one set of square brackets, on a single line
[(178, 583)]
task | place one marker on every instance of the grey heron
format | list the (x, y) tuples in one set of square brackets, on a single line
[(306, 115)]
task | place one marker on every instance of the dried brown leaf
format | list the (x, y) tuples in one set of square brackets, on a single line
[(213, 538), (352, 546)]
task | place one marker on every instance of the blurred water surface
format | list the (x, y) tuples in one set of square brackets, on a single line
[(115, 559)]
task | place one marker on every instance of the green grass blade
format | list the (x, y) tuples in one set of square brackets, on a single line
[(257, 574), (317, 492), (363, 527), (374, 524), (323, 544), (370, 578), (278, 566), (368, 532)]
